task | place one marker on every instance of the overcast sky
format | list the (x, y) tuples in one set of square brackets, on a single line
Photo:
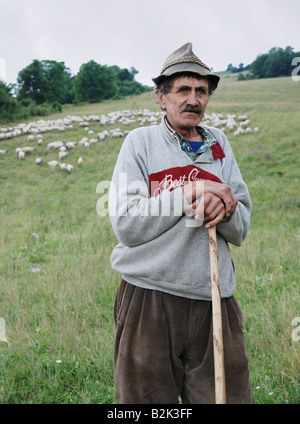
[(142, 33)]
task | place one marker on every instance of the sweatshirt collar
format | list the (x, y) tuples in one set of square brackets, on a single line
[(209, 142), (208, 138)]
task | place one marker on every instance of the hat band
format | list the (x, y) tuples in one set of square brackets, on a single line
[(187, 59)]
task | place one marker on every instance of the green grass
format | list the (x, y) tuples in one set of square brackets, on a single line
[(59, 321)]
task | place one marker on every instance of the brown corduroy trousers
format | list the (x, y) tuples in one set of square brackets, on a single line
[(164, 349)]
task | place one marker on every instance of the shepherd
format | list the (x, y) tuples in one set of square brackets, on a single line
[(163, 310)]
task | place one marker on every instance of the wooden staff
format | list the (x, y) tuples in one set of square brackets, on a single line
[(220, 393)]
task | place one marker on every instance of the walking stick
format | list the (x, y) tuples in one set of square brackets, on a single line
[(220, 395)]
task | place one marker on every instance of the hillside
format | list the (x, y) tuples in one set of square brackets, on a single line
[(57, 287)]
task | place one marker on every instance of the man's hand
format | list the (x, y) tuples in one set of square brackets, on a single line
[(214, 200), (210, 208)]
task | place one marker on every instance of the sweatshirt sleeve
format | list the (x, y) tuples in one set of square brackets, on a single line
[(136, 217), (234, 228)]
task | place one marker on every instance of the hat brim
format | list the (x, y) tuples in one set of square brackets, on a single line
[(188, 67)]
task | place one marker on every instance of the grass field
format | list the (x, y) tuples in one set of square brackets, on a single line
[(59, 320)]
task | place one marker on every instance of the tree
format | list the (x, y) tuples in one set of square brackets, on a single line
[(125, 80), (276, 63), (229, 67), (31, 83), (58, 79), (257, 67), (7, 103), (44, 81), (94, 83)]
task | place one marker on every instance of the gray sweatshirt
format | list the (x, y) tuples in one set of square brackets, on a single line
[(161, 245)]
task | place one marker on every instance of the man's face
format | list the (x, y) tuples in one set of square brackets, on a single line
[(186, 102)]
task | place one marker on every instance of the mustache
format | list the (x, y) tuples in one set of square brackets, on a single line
[(190, 108)]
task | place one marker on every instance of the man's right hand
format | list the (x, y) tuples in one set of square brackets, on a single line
[(214, 200)]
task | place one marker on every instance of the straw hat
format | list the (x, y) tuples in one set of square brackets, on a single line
[(184, 60)]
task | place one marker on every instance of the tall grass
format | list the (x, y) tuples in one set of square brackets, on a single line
[(59, 320)]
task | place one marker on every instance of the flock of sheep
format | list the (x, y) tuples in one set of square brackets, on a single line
[(35, 130)]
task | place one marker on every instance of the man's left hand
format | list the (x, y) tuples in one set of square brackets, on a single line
[(211, 208)]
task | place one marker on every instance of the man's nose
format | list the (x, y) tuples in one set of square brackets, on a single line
[(192, 98)]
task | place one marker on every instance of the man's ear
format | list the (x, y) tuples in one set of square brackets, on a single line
[(161, 99)]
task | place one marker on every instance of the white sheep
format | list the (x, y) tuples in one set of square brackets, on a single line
[(67, 167), (80, 161), (117, 133), (71, 144), (53, 164), (101, 136), (21, 155), (62, 155), (55, 145), (239, 131), (28, 149), (2, 152), (83, 141), (245, 123), (83, 124), (30, 137), (39, 161)]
